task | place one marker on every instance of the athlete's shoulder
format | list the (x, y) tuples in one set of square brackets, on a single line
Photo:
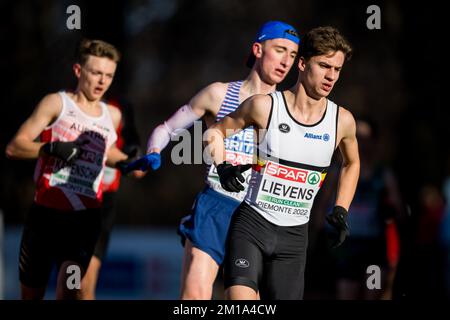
[(217, 88), (346, 121), (214, 91), (260, 100), (209, 98), (345, 115), (256, 109), (116, 114), (51, 103), (113, 110), (53, 98)]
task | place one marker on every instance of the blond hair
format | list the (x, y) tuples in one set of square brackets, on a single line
[(96, 48)]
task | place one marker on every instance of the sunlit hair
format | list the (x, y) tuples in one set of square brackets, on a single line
[(323, 40), (96, 48)]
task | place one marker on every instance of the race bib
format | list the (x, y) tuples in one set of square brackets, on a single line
[(82, 177), (288, 190), (238, 150)]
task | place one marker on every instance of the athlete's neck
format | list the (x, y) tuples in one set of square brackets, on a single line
[(84, 102), (255, 85), (301, 105)]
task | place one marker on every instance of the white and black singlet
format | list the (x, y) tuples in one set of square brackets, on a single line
[(268, 233)]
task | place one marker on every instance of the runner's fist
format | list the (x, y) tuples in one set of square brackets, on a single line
[(231, 176), (338, 219), (66, 151)]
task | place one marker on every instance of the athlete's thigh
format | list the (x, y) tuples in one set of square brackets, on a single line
[(75, 245), (283, 281), (198, 274), (243, 262), (284, 271), (37, 248)]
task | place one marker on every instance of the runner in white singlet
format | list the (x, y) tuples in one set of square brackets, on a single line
[(298, 131)]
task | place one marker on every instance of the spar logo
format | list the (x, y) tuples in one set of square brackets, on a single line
[(286, 173), (313, 178)]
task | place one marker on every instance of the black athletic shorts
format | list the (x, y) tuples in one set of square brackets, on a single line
[(108, 215), (52, 236), (265, 257)]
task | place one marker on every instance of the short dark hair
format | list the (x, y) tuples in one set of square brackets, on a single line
[(96, 48), (322, 40)]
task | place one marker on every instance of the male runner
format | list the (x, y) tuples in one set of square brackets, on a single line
[(299, 130), (204, 231), (77, 136)]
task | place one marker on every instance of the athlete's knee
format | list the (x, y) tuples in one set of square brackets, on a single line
[(196, 292), (68, 284), (89, 280), (199, 273), (241, 292), (87, 289)]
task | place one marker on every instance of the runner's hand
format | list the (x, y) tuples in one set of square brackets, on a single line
[(231, 176), (338, 219), (66, 151), (152, 160)]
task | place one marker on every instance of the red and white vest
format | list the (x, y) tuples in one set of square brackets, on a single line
[(77, 186), (111, 176)]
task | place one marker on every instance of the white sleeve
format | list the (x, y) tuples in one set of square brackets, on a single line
[(183, 118)]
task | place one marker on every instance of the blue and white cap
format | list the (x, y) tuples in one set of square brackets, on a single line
[(274, 30)]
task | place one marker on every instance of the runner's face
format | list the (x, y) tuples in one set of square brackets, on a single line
[(320, 73), (95, 76), (277, 58)]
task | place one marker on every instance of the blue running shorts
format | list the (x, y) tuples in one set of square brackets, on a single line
[(207, 226)]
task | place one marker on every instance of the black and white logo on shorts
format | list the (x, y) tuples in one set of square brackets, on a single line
[(283, 127), (242, 263)]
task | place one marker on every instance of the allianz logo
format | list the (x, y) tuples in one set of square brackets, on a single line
[(241, 263), (324, 137)]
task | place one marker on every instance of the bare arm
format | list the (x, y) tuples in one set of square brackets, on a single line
[(208, 100), (350, 167), (23, 145), (116, 116), (252, 112), (205, 104), (114, 155)]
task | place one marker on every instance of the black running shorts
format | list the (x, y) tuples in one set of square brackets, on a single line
[(265, 257), (50, 237)]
